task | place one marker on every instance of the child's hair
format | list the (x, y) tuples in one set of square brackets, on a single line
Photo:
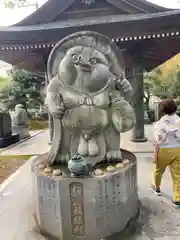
[(169, 106)]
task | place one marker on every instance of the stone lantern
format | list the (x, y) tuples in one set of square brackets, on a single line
[(6, 136)]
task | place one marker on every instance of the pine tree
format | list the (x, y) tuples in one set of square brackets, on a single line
[(25, 89), (175, 83)]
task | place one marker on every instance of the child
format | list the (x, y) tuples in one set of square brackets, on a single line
[(155, 156), (167, 149), (160, 136)]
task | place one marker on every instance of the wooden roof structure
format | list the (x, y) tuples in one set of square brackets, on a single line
[(151, 34)]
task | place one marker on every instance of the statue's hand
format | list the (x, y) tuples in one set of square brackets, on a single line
[(125, 86), (58, 112)]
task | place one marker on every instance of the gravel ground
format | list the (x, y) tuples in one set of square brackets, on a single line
[(7, 167)]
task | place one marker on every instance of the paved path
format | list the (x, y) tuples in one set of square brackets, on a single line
[(126, 143), (38, 144)]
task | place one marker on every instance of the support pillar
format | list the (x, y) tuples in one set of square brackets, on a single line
[(134, 74), (138, 132)]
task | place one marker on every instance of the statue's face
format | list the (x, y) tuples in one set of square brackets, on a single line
[(84, 69)]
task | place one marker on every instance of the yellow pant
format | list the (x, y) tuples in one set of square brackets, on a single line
[(168, 157)]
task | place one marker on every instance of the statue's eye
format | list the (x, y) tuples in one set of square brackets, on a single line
[(93, 61), (74, 57)]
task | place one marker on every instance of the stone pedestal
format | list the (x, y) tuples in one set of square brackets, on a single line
[(9, 140), (93, 207), (22, 130), (6, 136)]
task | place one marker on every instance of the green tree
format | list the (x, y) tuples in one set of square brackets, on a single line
[(174, 80), (154, 84), (4, 84), (14, 3), (25, 88), (20, 3)]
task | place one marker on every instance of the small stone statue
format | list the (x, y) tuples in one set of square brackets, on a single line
[(20, 116), (85, 96), (6, 136), (77, 165), (20, 121)]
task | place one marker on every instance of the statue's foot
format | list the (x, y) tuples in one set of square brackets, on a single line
[(113, 156), (93, 148), (83, 147)]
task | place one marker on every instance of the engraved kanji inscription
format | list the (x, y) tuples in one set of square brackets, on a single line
[(77, 209)]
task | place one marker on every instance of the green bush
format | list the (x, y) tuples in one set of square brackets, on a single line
[(177, 101)]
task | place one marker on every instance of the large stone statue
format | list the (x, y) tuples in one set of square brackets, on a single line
[(86, 187), (86, 99), (20, 121)]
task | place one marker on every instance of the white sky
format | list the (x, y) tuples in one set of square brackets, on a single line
[(167, 3), (9, 17)]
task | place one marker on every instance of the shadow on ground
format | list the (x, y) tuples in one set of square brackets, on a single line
[(157, 220)]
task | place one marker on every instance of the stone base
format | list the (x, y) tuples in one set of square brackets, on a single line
[(23, 131), (93, 207), (7, 141), (139, 140)]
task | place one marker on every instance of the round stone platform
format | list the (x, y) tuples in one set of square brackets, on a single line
[(93, 207)]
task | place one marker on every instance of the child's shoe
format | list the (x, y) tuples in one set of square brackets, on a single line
[(176, 204), (155, 190)]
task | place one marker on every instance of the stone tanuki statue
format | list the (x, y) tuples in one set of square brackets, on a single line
[(85, 187), (20, 116), (85, 96), (20, 121)]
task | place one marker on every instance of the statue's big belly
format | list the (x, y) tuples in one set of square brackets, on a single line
[(85, 118)]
